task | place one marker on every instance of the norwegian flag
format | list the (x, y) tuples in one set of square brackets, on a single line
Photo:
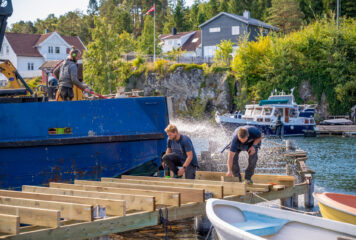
[(152, 9)]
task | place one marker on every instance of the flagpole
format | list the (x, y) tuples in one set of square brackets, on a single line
[(154, 33)]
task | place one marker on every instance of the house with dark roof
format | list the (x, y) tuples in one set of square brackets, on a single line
[(227, 26), (28, 52)]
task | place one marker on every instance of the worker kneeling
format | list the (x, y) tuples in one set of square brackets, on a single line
[(180, 152), (245, 138)]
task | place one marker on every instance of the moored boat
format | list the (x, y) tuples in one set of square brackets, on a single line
[(234, 220), (295, 120), (337, 206)]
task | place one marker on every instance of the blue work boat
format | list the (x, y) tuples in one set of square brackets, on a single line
[(62, 141)]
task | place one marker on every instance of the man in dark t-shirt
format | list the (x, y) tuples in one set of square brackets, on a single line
[(245, 138), (180, 152)]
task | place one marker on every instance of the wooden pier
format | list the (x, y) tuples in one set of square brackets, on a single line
[(68, 211), (330, 130)]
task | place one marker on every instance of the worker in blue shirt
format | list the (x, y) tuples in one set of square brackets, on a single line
[(180, 152), (245, 138)]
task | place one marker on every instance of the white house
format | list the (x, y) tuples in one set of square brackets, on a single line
[(28, 52), (187, 41)]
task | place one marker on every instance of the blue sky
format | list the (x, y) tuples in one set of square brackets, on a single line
[(30, 10)]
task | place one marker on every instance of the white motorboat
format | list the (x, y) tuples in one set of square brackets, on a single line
[(234, 220)]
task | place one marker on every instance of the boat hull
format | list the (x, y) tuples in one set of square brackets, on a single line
[(336, 210), (225, 215), (106, 138), (267, 130)]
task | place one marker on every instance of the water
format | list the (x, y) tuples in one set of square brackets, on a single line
[(332, 158)]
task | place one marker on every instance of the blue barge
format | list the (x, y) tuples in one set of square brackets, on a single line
[(62, 141)]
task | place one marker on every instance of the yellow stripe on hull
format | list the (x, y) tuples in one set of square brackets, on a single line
[(333, 214)]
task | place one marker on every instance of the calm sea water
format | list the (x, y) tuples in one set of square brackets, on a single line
[(334, 161)]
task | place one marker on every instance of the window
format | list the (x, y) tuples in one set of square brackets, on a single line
[(29, 66), (267, 111), (235, 30), (215, 29), (195, 40), (58, 50), (50, 49), (257, 112), (7, 50)]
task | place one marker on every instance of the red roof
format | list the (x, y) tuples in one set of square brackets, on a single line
[(193, 42), (25, 44)]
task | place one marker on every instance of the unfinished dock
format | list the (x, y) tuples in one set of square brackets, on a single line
[(87, 209)]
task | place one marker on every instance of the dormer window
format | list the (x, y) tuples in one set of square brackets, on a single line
[(50, 49), (195, 40), (58, 50)]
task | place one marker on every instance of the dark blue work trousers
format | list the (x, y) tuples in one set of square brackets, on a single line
[(252, 161)]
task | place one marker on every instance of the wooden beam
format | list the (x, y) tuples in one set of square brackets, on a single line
[(216, 190), (113, 207), (133, 202), (33, 216), (9, 224), (288, 181), (70, 211), (164, 198), (187, 194), (229, 189)]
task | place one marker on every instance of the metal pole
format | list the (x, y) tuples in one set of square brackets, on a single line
[(154, 33), (337, 12)]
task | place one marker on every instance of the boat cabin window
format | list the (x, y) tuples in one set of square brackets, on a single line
[(257, 112), (267, 111), (249, 112), (278, 111), (293, 113)]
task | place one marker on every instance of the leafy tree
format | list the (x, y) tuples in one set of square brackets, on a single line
[(223, 53), (146, 39), (223, 6), (23, 27), (286, 15)]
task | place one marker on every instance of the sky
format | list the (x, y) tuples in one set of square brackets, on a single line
[(30, 10)]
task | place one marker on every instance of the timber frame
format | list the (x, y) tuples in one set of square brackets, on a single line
[(66, 211)]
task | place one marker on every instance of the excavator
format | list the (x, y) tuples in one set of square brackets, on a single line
[(18, 90)]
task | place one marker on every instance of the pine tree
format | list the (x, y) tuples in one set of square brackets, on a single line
[(286, 15), (223, 6), (93, 8)]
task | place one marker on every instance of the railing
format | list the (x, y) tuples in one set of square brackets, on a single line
[(182, 59)]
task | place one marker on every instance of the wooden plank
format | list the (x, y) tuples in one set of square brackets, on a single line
[(133, 202), (89, 230), (9, 224), (187, 194), (33, 216), (113, 207), (229, 189), (216, 190), (70, 211), (257, 178), (164, 198), (278, 187)]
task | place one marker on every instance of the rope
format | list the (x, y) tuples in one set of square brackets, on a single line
[(164, 221), (281, 206), (210, 231)]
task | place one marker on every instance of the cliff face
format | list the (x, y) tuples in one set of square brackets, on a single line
[(187, 88), (211, 92)]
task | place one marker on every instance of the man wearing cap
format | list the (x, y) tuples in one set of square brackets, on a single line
[(245, 138), (180, 152)]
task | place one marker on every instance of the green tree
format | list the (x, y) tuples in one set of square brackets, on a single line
[(224, 6), (93, 7), (99, 67), (286, 15), (145, 43), (223, 52), (23, 27)]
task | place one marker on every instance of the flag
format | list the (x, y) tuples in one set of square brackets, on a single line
[(152, 9)]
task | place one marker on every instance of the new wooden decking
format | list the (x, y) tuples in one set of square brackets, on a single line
[(66, 211)]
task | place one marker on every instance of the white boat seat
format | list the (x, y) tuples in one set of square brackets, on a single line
[(260, 225)]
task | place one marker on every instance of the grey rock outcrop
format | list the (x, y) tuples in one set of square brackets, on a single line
[(187, 87)]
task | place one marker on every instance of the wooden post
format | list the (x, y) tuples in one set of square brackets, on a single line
[(308, 197)]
